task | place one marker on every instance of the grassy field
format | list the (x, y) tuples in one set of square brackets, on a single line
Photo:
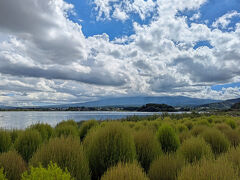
[(169, 147)]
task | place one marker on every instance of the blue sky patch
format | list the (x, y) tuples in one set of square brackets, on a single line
[(203, 43), (220, 87)]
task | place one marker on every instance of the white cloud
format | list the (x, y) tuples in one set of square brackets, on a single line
[(46, 58), (225, 20), (195, 16), (121, 15)]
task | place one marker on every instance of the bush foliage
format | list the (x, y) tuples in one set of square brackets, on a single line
[(209, 169), (125, 171), (217, 140), (13, 165), (53, 172), (27, 143), (67, 153), (147, 147), (166, 167), (5, 141), (108, 145), (85, 127), (168, 138), (194, 149)]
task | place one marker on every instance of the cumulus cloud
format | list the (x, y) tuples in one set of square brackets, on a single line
[(45, 57), (225, 20)]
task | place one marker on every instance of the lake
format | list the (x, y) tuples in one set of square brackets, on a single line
[(21, 120)]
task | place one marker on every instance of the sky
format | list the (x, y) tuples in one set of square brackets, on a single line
[(58, 52)]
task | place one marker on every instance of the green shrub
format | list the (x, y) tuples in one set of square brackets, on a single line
[(127, 171), (168, 138), (67, 153), (108, 145), (223, 127), (45, 130), (198, 129), (184, 136), (209, 170), (27, 143), (147, 147), (85, 127), (68, 122), (233, 136), (2, 175), (13, 165), (53, 172), (233, 156), (231, 123), (203, 122), (15, 133), (194, 149), (166, 167), (5, 141), (217, 140), (181, 128), (66, 130), (189, 124)]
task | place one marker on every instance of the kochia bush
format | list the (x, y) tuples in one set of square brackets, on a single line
[(147, 147), (67, 153), (168, 138), (13, 165), (108, 145), (194, 149), (127, 171), (5, 140), (27, 143)]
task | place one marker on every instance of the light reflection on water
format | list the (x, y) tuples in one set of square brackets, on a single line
[(21, 120)]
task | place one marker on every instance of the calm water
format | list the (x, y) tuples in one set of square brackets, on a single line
[(21, 120)]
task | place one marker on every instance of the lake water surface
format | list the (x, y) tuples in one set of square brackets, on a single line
[(21, 120)]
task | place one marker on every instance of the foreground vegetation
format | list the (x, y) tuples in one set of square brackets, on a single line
[(169, 147)]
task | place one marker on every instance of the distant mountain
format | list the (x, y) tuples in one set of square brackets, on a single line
[(140, 101), (221, 105)]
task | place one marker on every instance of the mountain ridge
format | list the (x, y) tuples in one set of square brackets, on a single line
[(180, 101)]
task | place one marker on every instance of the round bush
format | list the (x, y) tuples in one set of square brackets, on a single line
[(168, 139), (45, 130), (182, 128), (128, 171), (166, 167), (233, 136), (198, 129), (231, 123), (27, 143), (233, 155), (147, 147), (13, 165), (15, 133), (67, 153), (85, 127), (189, 124), (209, 169), (108, 145), (194, 149), (183, 136), (5, 141), (223, 127), (66, 130), (217, 140), (2, 175), (52, 172), (68, 122)]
